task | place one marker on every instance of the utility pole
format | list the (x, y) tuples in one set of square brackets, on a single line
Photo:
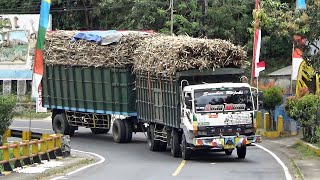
[(204, 17), (171, 21)]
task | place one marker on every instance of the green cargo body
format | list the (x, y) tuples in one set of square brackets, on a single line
[(158, 98), (89, 89)]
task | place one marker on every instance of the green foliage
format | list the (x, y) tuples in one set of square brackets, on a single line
[(305, 111), (285, 21), (7, 103), (272, 97), (226, 19)]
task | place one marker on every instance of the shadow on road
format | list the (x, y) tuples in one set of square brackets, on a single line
[(104, 138), (217, 157)]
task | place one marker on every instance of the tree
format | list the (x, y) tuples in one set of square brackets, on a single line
[(285, 21), (272, 97), (7, 103)]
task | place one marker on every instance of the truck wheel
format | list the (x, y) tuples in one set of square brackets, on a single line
[(60, 125), (175, 144), (154, 145), (128, 126), (162, 146), (241, 152), (119, 131), (71, 131), (228, 151), (99, 131), (185, 152)]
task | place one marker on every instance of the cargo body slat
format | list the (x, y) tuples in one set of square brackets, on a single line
[(89, 89)]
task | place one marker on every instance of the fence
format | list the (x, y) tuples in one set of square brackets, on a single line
[(33, 148)]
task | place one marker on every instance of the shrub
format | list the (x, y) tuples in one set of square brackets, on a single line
[(305, 111), (272, 97), (7, 104)]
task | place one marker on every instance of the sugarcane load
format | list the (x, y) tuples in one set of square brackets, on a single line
[(184, 93)]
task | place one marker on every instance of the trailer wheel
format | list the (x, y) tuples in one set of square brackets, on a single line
[(60, 125), (185, 152), (241, 152), (128, 126), (228, 151), (175, 144), (154, 145), (99, 131), (119, 131)]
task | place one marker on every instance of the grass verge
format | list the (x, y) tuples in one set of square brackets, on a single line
[(27, 114), (305, 153)]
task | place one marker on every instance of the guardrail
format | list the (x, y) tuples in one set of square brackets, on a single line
[(33, 148)]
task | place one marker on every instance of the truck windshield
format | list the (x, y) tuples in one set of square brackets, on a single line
[(217, 100)]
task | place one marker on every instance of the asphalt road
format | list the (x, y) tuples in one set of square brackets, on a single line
[(135, 161)]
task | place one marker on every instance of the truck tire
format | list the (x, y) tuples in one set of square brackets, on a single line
[(128, 126), (154, 145), (185, 152), (228, 151), (162, 146), (119, 131), (241, 152), (60, 125), (99, 131), (175, 144)]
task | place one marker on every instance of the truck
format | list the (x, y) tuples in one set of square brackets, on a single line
[(194, 110)]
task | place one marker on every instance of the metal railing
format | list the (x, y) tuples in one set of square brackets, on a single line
[(34, 148)]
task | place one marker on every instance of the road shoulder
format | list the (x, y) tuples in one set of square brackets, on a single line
[(75, 161)]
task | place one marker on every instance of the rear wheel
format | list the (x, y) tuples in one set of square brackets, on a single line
[(228, 151), (175, 144), (185, 151), (119, 131), (162, 146), (241, 152), (128, 126), (99, 131), (60, 125), (154, 145)]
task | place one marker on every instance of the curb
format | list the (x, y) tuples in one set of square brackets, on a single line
[(296, 166), (75, 161), (5, 173), (293, 161), (309, 146), (296, 172)]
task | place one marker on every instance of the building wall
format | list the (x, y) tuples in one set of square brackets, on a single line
[(280, 81)]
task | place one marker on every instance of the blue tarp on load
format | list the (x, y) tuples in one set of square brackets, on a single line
[(100, 37)]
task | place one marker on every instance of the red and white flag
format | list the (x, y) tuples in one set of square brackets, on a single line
[(258, 66)]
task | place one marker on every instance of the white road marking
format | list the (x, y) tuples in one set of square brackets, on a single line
[(285, 168), (102, 159), (212, 163)]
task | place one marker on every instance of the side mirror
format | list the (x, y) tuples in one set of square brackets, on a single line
[(187, 101)]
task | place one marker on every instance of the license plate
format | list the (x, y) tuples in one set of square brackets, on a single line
[(229, 146)]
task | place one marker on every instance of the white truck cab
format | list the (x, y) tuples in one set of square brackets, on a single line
[(218, 116)]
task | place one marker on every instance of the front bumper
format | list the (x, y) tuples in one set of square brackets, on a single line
[(226, 142)]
